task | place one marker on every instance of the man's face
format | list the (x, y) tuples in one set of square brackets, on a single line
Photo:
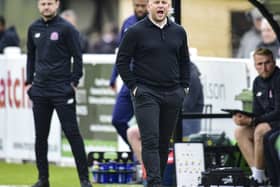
[(48, 8), (264, 65), (140, 8), (158, 9)]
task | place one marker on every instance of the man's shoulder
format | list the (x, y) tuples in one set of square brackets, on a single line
[(130, 19), (176, 26), (63, 23), (137, 27), (35, 23)]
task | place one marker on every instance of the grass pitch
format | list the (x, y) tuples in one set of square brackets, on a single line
[(26, 174)]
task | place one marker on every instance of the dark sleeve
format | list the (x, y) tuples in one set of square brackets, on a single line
[(114, 75), (125, 54), (30, 65), (273, 115), (121, 35), (184, 63), (74, 46), (192, 97)]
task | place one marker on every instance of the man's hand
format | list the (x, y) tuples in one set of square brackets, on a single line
[(28, 86), (113, 87), (74, 87), (242, 120)]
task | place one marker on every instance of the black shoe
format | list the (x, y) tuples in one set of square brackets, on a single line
[(85, 183), (255, 183), (42, 183)]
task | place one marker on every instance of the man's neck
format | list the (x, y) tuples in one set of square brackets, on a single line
[(160, 24)]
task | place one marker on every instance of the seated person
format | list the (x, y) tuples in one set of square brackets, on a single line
[(266, 108)]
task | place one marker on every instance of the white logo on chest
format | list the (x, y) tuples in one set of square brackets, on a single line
[(37, 35)]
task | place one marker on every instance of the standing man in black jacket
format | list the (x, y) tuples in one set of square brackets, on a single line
[(158, 81), (51, 84), (251, 131)]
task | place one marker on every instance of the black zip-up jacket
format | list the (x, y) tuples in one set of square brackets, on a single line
[(51, 44), (266, 99), (160, 56)]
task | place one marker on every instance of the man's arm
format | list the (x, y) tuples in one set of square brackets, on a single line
[(274, 115), (184, 63), (125, 54), (30, 67), (74, 46)]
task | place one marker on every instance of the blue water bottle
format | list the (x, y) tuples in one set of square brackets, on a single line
[(95, 170), (121, 172), (130, 169), (112, 173), (103, 173)]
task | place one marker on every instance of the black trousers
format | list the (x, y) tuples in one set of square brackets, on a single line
[(156, 113), (65, 107), (271, 156)]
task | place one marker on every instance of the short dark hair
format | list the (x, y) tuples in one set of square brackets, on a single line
[(264, 52), (2, 21)]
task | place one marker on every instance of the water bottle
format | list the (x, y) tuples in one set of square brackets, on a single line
[(121, 172), (130, 169), (95, 170), (103, 173), (112, 173)]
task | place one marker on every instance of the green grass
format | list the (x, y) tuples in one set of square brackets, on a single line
[(89, 142), (26, 174)]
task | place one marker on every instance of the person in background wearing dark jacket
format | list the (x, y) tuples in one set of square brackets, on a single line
[(108, 42), (266, 108), (51, 84), (71, 17), (158, 81), (123, 109), (8, 37), (193, 102)]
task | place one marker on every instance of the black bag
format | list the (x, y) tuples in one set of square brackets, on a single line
[(227, 176)]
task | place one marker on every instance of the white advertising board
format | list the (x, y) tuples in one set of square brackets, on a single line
[(19, 133), (2, 111), (222, 79)]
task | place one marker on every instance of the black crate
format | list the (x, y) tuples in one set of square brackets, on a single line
[(227, 176)]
